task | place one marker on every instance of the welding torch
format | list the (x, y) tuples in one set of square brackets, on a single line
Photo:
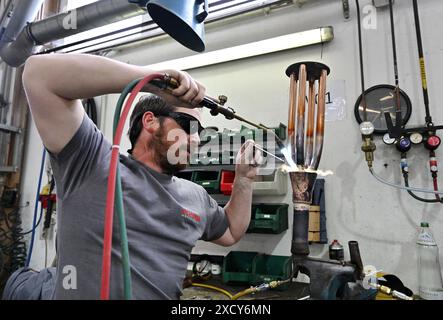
[(216, 106)]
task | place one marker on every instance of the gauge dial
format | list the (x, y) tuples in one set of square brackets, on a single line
[(404, 144), (433, 142), (379, 100), (366, 128), (416, 138), (387, 139)]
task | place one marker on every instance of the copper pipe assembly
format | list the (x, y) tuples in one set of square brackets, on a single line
[(320, 130), (305, 146), (301, 103), (292, 106), (311, 124)]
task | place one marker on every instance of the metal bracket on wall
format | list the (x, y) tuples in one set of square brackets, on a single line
[(8, 169), (10, 129), (346, 9)]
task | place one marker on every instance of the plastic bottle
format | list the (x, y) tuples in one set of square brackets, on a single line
[(336, 251), (430, 283)]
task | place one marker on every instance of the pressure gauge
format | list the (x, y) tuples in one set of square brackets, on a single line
[(416, 138), (202, 268), (366, 128), (379, 100), (387, 139), (404, 144), (433, 142)]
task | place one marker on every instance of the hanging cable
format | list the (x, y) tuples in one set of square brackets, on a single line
[(434, 172), (37, 224), (362, 75), (91, 109), (428, 118), (396, 131), (405, 173), (34, 223), (11, 240)]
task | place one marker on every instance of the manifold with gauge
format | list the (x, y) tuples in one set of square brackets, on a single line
[(384, 110)]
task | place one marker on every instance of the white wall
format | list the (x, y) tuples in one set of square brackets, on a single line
[(383, 220)]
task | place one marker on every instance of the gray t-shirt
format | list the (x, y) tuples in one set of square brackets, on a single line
[(165, 216)]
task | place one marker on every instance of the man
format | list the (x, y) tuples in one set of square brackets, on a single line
[(165, 215)]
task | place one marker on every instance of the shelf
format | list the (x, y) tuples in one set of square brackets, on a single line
[(275, 183)]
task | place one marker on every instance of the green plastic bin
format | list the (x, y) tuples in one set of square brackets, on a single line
[(267, 268), (280, 131), (237, 267), (269, 218), (187, 175), (210, 180)]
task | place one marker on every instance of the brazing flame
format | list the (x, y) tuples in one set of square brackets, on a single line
[(290, 165)]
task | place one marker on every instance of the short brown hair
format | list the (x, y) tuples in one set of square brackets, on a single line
[(149, 102)]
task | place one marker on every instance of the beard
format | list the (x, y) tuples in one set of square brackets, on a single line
[(160, 145)]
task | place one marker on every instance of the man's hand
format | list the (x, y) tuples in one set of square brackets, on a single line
[(189, 93), (238, 209), (246, 161), (54, 84)]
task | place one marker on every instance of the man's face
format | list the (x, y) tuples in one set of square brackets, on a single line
[(172, 146)]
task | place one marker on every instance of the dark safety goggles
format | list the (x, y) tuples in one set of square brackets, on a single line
[(187, 122)]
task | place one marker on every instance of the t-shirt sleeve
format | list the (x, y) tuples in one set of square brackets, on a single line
[(217, 222), (84, 153)]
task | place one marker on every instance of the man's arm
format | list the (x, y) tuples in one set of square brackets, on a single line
[(55, 83), (238, 209)]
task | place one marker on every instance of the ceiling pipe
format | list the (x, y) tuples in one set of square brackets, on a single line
[(14, 50), (24, 12)]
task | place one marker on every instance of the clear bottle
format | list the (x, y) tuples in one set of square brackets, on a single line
[(430, 283)]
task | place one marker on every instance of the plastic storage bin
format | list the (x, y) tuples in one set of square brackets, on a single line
[(269, 218), (280, 131), (237, 267), (268, 268), (208, 179), (187, 175), (275, 183), (227, 182)]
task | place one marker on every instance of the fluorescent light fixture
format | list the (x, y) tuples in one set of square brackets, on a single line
[(290, 41)]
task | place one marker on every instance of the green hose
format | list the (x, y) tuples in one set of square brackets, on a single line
[(127, 283)]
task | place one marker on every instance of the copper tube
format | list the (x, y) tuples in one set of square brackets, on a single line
[(320, 129), (311, 124), (291, 115), (300, 137)]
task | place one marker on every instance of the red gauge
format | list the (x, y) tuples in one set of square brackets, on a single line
[(432, 143)]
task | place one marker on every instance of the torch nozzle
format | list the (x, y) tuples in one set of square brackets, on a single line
[(216, 106)]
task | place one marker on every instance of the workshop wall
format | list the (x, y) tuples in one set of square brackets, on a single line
[(382, 219)]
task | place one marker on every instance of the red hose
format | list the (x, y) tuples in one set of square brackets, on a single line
[(436, 188), (109, 213)]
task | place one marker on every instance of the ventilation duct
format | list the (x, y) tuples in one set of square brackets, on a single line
[(91, 16), (14, 50)]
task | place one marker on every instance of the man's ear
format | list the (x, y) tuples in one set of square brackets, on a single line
[(150, 122)]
